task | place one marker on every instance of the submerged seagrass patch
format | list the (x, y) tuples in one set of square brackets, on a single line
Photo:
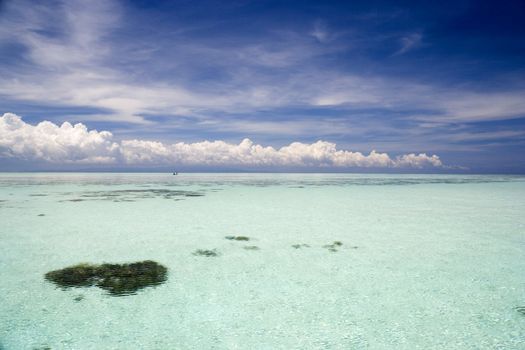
[(206, 252), (117, 279)]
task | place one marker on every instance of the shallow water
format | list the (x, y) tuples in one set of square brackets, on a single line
[(426, 261)]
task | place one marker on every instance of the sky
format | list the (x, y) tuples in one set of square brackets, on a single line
[(359, 86)]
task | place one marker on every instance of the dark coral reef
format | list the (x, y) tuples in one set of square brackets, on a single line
[(206, 252), (117, 279), (333, 247), (237, 238)]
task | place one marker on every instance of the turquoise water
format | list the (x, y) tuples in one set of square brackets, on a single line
[(426, 261)]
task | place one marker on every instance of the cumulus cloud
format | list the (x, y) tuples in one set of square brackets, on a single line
[(56, 144), (69, 143), (417, 160)]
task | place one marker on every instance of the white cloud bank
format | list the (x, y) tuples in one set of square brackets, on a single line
[(66, 144)]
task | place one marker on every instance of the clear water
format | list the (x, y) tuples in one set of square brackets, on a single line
[(427, 262)]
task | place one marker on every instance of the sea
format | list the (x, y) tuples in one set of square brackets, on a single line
[(326, 261)]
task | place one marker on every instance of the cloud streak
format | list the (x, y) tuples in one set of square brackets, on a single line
[(180, 71), (75, 144), (74, 58), (409, 42)]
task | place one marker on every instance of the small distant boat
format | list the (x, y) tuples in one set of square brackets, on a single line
[(175, 173)]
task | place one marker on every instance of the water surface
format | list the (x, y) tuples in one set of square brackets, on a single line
[(426, 261)]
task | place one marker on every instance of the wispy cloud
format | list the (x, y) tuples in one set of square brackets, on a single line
[(409, 42), (310, 81), (440, 104), (320, 32), (74, 58)]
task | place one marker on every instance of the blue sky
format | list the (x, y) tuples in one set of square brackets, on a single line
[(445, 79)]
